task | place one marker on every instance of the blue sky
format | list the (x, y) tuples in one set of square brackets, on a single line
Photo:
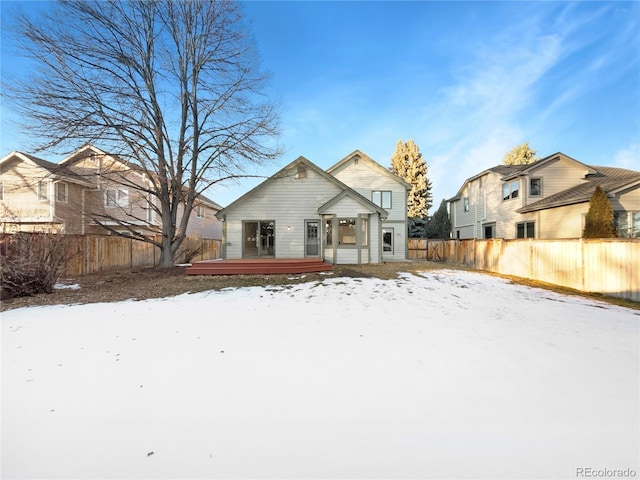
[(466, 81)]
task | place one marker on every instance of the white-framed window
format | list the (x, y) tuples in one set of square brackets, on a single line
[(199, 211), (1, 190), (511, 190), (62, 192), (535, 187), (526, 230), (381, 198), (43, 190), (116, 197), (465, 204)]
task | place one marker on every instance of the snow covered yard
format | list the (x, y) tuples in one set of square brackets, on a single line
[(447, 374)]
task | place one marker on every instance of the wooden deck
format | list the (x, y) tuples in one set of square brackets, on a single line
[(253, 266)]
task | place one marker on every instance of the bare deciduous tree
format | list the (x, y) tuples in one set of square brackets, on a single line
[(174, 88)]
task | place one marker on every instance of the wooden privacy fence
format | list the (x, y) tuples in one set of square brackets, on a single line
[(101, 253), (607, 266)]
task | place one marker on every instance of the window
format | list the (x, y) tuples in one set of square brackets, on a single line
[(1, 190), (62, 192), (525, 230), (364, 231), (387, 240), (116, 197), (489, 230), (381, 198), (43, 191), (627, 224), (199, 211), (347, 231), (510, 190), (466, 203), (328, 228), (535, 187)]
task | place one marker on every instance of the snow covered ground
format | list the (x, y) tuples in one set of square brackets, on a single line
[(444, 375)]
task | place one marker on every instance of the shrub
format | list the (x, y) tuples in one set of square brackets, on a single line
[(31, 263), (190, 249), (599, 219)]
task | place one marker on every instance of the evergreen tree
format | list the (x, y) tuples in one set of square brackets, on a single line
[(408, 163), (520, 155), (599, 219), (439, 225)]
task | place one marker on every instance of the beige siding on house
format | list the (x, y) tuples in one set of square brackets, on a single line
[(71, 211), (485, 206), (20, 193), (557, 175), (204, 226), (561, 222), (628, 200)]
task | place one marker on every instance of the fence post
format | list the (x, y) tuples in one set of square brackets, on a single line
[(530, 269), (582, 265)]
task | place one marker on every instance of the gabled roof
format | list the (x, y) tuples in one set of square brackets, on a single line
[(355, 196), (285, 171), (207, 201), (527, 168), (502, 170), (53, 170), (611, 179), (509, 172), (360, 156)]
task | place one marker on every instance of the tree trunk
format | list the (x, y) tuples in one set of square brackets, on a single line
[(166, 253)]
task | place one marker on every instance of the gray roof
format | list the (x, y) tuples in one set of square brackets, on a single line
[(610, 179)]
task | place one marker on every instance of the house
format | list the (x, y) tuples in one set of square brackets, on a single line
[(546, 199), (88, 192), (352, 213), (37, 195)]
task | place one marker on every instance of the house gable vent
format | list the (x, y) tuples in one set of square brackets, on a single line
[(301, 171)]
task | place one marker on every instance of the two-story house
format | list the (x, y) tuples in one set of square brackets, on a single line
[(545, 199), (88, 192), (355, 212), (41, 196)]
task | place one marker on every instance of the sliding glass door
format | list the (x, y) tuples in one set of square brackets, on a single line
[(259, 239)]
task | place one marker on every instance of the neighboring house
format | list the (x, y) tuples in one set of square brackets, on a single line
[(546, 199), (355, 212), (37, 195), (104, 194)]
